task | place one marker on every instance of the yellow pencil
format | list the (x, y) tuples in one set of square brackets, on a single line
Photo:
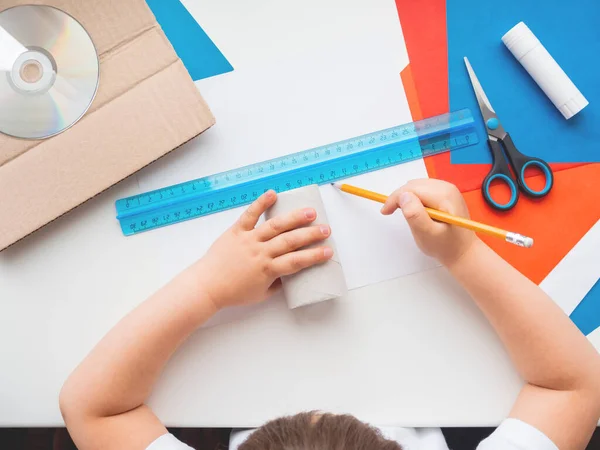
[(440, 216)]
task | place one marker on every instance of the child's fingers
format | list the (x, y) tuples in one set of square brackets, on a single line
[(249, 219), (293, 262), (281, 224), (433, 193), (298, 238), (417, 217), (392, 203)]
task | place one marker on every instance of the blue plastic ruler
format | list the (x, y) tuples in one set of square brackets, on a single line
[(326, 164)]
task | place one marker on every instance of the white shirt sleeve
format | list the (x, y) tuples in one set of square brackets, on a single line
[(514, 434), (168, 442)]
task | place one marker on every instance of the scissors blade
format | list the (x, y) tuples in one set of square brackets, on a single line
[(484, 104)]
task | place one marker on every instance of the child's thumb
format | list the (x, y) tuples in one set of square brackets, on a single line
[(415, 213)]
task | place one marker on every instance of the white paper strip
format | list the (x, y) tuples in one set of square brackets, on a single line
[(576, 274), (595, 339)]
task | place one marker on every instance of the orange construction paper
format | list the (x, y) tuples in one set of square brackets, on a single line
[(411, 93), (424, 29)]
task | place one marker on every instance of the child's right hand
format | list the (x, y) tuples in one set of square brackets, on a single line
[(446, 243)]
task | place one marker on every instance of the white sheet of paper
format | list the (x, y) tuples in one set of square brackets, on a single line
[(571, 280), (264, 113), (301, 80), (594, 338), (373, 247)]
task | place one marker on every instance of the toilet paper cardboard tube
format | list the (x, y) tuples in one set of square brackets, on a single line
[(321, 282)]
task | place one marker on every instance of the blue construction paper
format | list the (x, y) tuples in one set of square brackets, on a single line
[(587, 314), (198, 52), (569, 31)]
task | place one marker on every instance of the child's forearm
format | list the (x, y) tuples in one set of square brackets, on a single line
[(546, 347), (118, 375)]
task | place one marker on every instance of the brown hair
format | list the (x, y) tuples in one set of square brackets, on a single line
[(316, 431)]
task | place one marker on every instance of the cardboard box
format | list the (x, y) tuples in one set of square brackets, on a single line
[(146, 106)]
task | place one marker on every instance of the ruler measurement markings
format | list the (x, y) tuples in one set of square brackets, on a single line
[(230, 199), (355, 156), (238, 195), (233, 196)]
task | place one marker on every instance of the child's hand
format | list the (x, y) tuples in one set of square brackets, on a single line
[(445, 242), (244, 265)]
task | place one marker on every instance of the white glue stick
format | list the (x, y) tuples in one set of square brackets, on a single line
[(318, 283), (546, 72)]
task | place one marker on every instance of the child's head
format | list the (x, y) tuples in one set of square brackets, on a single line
[(316, 431)]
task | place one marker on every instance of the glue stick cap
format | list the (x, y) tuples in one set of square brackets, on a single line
[(520, 40), (550, 77)]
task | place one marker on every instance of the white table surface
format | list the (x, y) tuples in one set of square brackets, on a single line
[(411, 351)]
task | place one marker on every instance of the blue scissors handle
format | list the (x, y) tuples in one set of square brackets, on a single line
[(501, 172), (521, 162)]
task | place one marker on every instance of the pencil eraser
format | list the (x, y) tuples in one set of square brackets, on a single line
[(546, 72)]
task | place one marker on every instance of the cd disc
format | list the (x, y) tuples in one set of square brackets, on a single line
[(49, 71)]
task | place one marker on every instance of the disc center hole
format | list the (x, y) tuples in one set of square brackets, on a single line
[(31, 71)]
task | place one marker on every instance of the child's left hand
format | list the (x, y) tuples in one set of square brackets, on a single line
[(244, 265)]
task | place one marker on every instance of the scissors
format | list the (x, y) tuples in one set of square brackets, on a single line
[(503, 148)]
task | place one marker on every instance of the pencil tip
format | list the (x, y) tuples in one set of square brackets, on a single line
[(336, 185)]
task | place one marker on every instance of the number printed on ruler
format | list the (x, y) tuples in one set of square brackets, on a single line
[(320, 165)]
